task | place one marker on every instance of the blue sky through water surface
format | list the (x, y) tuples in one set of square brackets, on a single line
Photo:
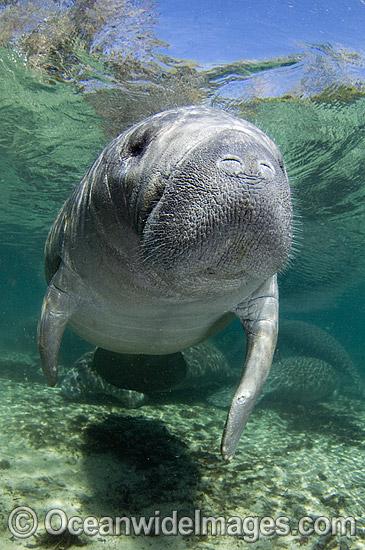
[(222, 31)]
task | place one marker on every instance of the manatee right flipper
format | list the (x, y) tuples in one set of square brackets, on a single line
[(57, 309), (259, 316)]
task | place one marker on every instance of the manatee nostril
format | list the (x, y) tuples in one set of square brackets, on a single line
[(233, 166), (266, 169)]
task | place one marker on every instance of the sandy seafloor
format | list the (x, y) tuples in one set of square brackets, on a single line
[(98, 459)]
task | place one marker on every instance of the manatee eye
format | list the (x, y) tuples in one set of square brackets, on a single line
[(137, 144), (136, 149)]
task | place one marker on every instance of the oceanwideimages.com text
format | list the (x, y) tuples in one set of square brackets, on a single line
[(23, 522)]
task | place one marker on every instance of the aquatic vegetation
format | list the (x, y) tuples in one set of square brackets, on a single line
[(53, 35)]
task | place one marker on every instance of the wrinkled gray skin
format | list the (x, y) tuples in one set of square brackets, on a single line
[(180, 224)]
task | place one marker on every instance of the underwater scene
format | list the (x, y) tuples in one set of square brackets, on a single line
[(158, 279)]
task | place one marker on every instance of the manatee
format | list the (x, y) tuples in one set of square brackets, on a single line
[(308, 339), (132, 379), (180, 225), (295, 379)]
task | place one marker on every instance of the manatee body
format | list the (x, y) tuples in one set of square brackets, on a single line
[(179, 226), (296, 379), (308, 339), (133, 379), (302, 379)]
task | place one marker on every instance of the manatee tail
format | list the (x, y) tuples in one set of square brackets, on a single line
[(57, 308), (259, 318)]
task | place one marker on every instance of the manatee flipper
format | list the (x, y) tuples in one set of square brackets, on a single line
[(57, 308), (259, 318), (84, 380)]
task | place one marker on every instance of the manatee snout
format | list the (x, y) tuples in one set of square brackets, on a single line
[(240, 218)]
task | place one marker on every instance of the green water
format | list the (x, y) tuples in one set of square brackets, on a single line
[(60, 104), (52, 130)]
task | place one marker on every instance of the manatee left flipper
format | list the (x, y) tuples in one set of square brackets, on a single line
[(57, 308), (259, 318)]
